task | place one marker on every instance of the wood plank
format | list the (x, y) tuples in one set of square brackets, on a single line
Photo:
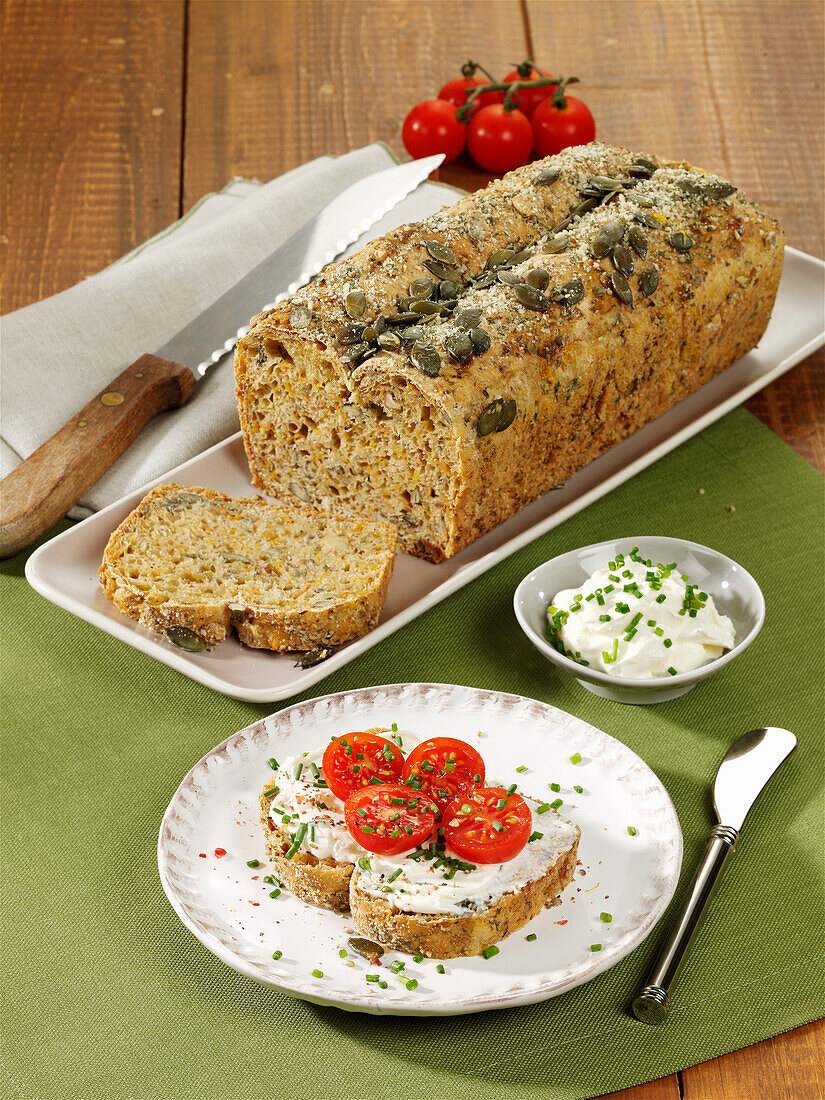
[(103, 83), (272, 85), (711, 82), (787, 1067), (665, 1088)]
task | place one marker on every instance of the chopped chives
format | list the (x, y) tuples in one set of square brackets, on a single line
[(277, 955), (661, 599), (317, 973), (297, 840), (395, 874), (342, 954), (543, 808), (511, 789), (299, 769), (521, 768), (275, 893), (595, 947), (382, 985), (418, 958), (396, 966), (499, 828), (667, 643), (488, 952), (531, 937), (555, 787), (672, 671), (559, 802), (579, 790), (394, 727), (273, 763), (576, 758), (631, 830), (373, 978), (534, 836), (659, 632), (605, 918), (651, 622), (253, 863), (271, 792), (440, 968), (605, 618), (412, 984)]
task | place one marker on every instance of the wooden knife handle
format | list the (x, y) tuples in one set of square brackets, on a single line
[(41, 490)]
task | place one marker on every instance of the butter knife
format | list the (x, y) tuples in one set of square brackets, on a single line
[(39, 492), (748, 765)]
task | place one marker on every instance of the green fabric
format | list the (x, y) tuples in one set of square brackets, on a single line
[(107, 995)]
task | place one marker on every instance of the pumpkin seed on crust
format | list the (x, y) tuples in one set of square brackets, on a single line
[(621, 288), (508, 415), (426, 358), (490, 416), (184, 638), (441, 251)]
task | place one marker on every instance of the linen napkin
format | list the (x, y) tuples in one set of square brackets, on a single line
[(59, 353)]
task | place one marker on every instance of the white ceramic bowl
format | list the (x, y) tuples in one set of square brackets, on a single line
[(735, 593)]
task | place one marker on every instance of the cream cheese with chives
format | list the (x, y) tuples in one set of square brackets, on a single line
[(638, 620)]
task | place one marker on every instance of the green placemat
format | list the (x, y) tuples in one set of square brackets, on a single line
[(107, 995)]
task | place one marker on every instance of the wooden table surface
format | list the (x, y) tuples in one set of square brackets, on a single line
[(118, 115)]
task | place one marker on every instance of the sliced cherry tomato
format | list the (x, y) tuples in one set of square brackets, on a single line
[(555, 129), (455, 92), (389, 819), (530, 98), (359, 759), (486, 825), (499, 140), (431, 127), (442, 767)]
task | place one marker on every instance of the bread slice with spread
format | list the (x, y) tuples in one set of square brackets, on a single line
[(424, 901), (197, 564)]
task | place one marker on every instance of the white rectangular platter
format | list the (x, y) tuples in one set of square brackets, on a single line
[(64, 570)]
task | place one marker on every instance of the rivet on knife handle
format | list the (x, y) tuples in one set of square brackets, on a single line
[(42, 489)]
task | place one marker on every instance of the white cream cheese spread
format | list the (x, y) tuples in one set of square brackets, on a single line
[(433, 886), (638, 620)]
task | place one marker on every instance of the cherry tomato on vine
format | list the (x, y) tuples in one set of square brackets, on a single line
[(499, 140), (487, 825), (557, 128), (431, 128), (389, 819), (530, 97), (354, 760), (454, 91), (442, 767)]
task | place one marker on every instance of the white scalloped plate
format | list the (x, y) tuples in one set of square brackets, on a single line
[(227, 905)]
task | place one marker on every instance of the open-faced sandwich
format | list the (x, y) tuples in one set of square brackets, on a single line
[(407, 836)]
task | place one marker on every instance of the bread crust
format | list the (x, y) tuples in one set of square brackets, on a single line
[(583, 377), (299, 629), (447, 937)]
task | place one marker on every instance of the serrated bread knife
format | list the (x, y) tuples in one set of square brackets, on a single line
[(39, 492), (748, 765)]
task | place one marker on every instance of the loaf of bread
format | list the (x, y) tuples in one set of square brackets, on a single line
[(195, 564), (457, 368)]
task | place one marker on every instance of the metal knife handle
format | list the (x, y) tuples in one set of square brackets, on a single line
[(41, 490), (652, 1004)]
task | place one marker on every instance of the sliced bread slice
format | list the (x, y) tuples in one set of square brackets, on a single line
[(195, 564), (447, 935), (320, 882)]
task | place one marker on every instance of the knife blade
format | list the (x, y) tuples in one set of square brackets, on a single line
[(45, 485)]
